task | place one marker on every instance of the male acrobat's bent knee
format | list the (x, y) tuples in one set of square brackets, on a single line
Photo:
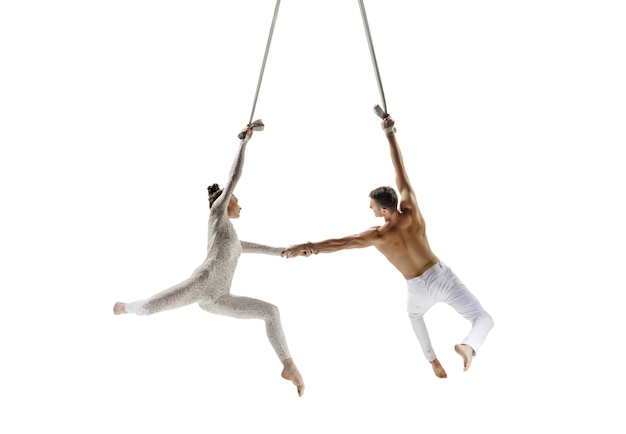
[(487, 321)]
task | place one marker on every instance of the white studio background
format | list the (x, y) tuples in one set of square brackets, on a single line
[(115, 116)]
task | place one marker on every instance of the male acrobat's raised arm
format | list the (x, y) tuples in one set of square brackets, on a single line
[(407, 195)]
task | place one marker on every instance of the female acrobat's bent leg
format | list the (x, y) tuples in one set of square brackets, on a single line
[(251, 308)]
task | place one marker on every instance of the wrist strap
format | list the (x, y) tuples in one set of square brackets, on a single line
[(257, 125)]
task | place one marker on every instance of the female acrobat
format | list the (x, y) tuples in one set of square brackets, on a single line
[(209, 285)]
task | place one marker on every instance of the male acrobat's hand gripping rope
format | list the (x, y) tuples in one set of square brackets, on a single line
[(381, 114)]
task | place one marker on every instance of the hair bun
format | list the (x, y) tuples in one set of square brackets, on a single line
[(213, 188)]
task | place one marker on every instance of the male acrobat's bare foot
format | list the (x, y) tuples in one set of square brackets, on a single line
[(467, 353), (439, 371), (119, 308), (291, 373)]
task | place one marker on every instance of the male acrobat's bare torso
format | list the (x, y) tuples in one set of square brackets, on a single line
[(402, 239)]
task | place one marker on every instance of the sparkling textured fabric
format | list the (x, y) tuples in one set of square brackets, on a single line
[(209, 285)]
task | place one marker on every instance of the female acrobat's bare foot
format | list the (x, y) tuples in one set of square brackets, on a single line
[(119, 308), (291, 373), (466, 352), (439, 371)]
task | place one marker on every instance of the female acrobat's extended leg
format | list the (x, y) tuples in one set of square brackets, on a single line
[(250, 308), (179, 295)]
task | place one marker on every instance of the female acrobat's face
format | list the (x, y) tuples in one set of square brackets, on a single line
[(233, 207)]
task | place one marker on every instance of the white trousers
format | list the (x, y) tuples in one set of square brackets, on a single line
[(440, 284)]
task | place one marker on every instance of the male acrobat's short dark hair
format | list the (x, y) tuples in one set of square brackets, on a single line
[(385, 197)]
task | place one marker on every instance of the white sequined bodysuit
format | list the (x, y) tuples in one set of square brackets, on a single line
[(209, 285)]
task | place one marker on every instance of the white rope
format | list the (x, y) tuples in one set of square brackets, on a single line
[(267, 49), (377, 108)]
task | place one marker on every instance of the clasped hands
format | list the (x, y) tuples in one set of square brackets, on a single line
[(305, 249)]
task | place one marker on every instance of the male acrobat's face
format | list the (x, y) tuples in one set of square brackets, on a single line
[(378, 211), (233, 207)]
